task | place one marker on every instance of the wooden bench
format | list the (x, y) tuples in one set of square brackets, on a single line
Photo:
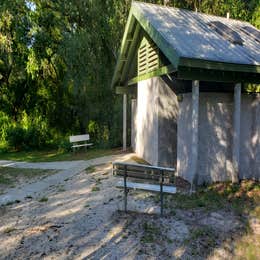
[(155, 179), (80, 141)]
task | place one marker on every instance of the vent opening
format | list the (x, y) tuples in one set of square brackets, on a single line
[(148, 57)]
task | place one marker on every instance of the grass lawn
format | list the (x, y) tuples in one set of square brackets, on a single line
[(10, 177), (55, 155)]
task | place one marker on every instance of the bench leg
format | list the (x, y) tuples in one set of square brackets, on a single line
[(125, 190), (125, 193), (125, 202), (161, 198)]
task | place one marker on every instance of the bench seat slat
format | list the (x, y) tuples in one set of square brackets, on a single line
[(142, 166), (147, 187), (80, 145)]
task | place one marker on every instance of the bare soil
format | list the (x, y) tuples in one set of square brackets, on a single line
[(82, 218)]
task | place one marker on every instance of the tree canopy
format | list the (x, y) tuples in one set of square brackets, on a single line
[(57, 60)]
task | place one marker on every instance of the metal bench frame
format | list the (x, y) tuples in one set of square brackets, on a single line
[(161, 176)]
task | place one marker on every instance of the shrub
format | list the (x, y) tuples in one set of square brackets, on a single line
[(34, 137), (64, 146), (15, 137), (5, 123)]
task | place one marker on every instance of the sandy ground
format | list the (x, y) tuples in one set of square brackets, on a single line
[(83, 219)]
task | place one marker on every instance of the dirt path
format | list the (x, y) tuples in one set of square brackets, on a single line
[(67, 170), (81, 218)]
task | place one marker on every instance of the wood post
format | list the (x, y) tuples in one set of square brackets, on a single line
[(236, 132), (124, 121), (195, 131)]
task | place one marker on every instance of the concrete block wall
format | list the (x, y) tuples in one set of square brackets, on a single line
[(161, 132), (250, 137), (146, 121), (154, 123), (215, 137)]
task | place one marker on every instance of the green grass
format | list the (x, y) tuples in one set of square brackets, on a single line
[(55, 155)]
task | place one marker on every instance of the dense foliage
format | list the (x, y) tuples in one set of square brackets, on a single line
[(56, 64)]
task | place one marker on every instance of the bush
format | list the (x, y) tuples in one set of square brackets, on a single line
[(15, 136), (35, 138), (5, 123), (32, 138), (65, 146)]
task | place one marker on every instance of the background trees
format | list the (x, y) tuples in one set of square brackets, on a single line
[(57, 60)]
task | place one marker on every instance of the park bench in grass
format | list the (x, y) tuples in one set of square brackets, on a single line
[(144, 177), (80, 141)]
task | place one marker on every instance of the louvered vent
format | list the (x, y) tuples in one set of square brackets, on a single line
[(148, 57)]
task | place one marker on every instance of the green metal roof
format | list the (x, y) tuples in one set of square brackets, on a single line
[(193, 48)]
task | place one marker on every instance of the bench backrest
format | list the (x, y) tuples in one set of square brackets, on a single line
[(141, 171), (79, 138)]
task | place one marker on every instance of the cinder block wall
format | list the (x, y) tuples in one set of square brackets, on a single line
[(161, 132), (216, 135), (250, 137), (146, 121), (154, 123)]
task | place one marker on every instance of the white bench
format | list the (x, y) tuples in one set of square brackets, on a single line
[(77, 141), (163, 177)]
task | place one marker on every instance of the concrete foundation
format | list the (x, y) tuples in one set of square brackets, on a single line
[(162, 132)]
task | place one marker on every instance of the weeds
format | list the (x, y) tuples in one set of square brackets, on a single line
[(43, 199), (201, 241), (9, 230), (150, 233), (90, 169), (9, 203), (5, 180), (95, 188), (238, 197)]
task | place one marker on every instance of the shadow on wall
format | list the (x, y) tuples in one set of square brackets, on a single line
[(159, 115), (168, 110), (146, 121), (216, 135), (155, 123), (250, 137)]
